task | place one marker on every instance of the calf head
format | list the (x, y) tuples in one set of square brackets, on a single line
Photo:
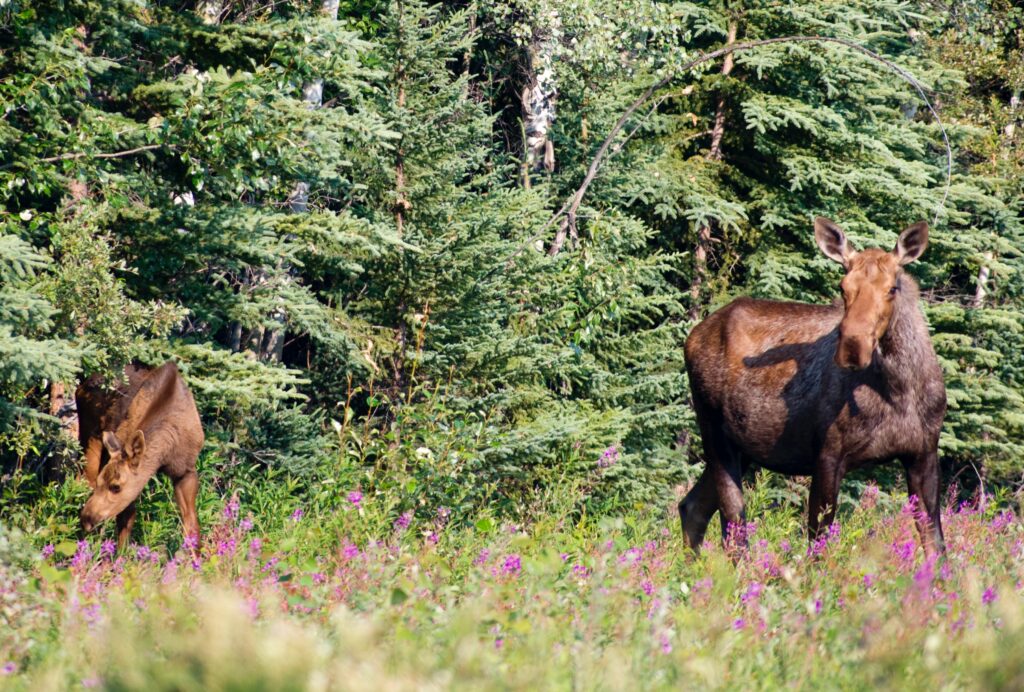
[(870, 287), (120, 481)]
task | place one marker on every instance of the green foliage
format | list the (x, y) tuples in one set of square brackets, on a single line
[(151, 159)]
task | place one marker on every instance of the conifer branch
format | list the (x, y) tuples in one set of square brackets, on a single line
[(82, 155), (572, 205)]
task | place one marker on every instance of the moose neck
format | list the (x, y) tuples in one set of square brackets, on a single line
[(905, 346)]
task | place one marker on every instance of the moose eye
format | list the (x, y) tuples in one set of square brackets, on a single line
[(115, 488), (893, 290)]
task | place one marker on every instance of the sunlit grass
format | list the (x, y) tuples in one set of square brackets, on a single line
[(356, 599)]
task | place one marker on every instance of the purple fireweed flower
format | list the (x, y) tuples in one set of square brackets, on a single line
[(9, 668), (482, 557), (82, 555), (255, 546), (989, 596), (403, 521), (1001, 520), (297, 514), (350, 550), (512, 564), (170, 572), (94, 681), (355, 498), (245, 525), (319, 577), (870, 496), (608, 458), (666, 644), (108, 548), (226, 547), (498, 643), (564, 557), (785, 546), (580, 571), (433, 537), (817, 606), (142, 552), (869, 581), (739, 623), (904, 550), (753, 592), (47, 550), (648, 587), (231, 507), (191, 543)]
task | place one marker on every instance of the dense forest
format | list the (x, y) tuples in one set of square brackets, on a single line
[(427, 271), (341, 220)]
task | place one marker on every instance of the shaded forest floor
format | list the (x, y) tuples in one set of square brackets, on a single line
[(356, 599)]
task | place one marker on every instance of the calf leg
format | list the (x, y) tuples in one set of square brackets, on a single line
[(185, 490), (125, 522), (821, 505), (697, 508), (93, 454), (923, 481)]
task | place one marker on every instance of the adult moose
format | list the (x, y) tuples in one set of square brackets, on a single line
[(819, 390), (129, 433)]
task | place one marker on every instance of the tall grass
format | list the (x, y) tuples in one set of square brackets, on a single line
[(358, 598)]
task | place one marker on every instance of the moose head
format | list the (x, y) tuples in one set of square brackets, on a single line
[(121, 480), (870, 288)]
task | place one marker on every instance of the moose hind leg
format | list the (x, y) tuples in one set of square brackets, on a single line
[(186, 488), (697, 508)]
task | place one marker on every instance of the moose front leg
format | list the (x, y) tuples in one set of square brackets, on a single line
[(186, 488), (125, 522), (824, 496), (93, 455), (923, 482)]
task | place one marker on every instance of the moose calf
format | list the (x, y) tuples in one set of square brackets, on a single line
[(130, 432)]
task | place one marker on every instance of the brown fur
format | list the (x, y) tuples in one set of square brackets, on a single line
[(819, 390), (131, 432)]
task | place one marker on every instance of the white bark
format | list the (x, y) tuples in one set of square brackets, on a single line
[(541, 91)]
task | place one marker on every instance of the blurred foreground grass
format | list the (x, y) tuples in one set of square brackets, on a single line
[(359, 600)]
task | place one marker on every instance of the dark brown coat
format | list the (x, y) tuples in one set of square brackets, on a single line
[(819, 389), (131, 432)]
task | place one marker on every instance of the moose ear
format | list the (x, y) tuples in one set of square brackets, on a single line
[(831, 240), (136, 447), (912, 243), (111, 442)]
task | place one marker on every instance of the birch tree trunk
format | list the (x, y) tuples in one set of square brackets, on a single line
[(272, 343), (402, 205), (700, 254), (984, 271), (538, 101)]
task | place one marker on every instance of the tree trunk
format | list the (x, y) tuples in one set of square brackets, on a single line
[(210, 11), (402, 205), (700, 254), (541, 91), (984, 271), (272, 343)]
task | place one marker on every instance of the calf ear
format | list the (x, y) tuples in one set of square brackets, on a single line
[(136, 448), (912, 243), (111, 442), (832, 241)]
